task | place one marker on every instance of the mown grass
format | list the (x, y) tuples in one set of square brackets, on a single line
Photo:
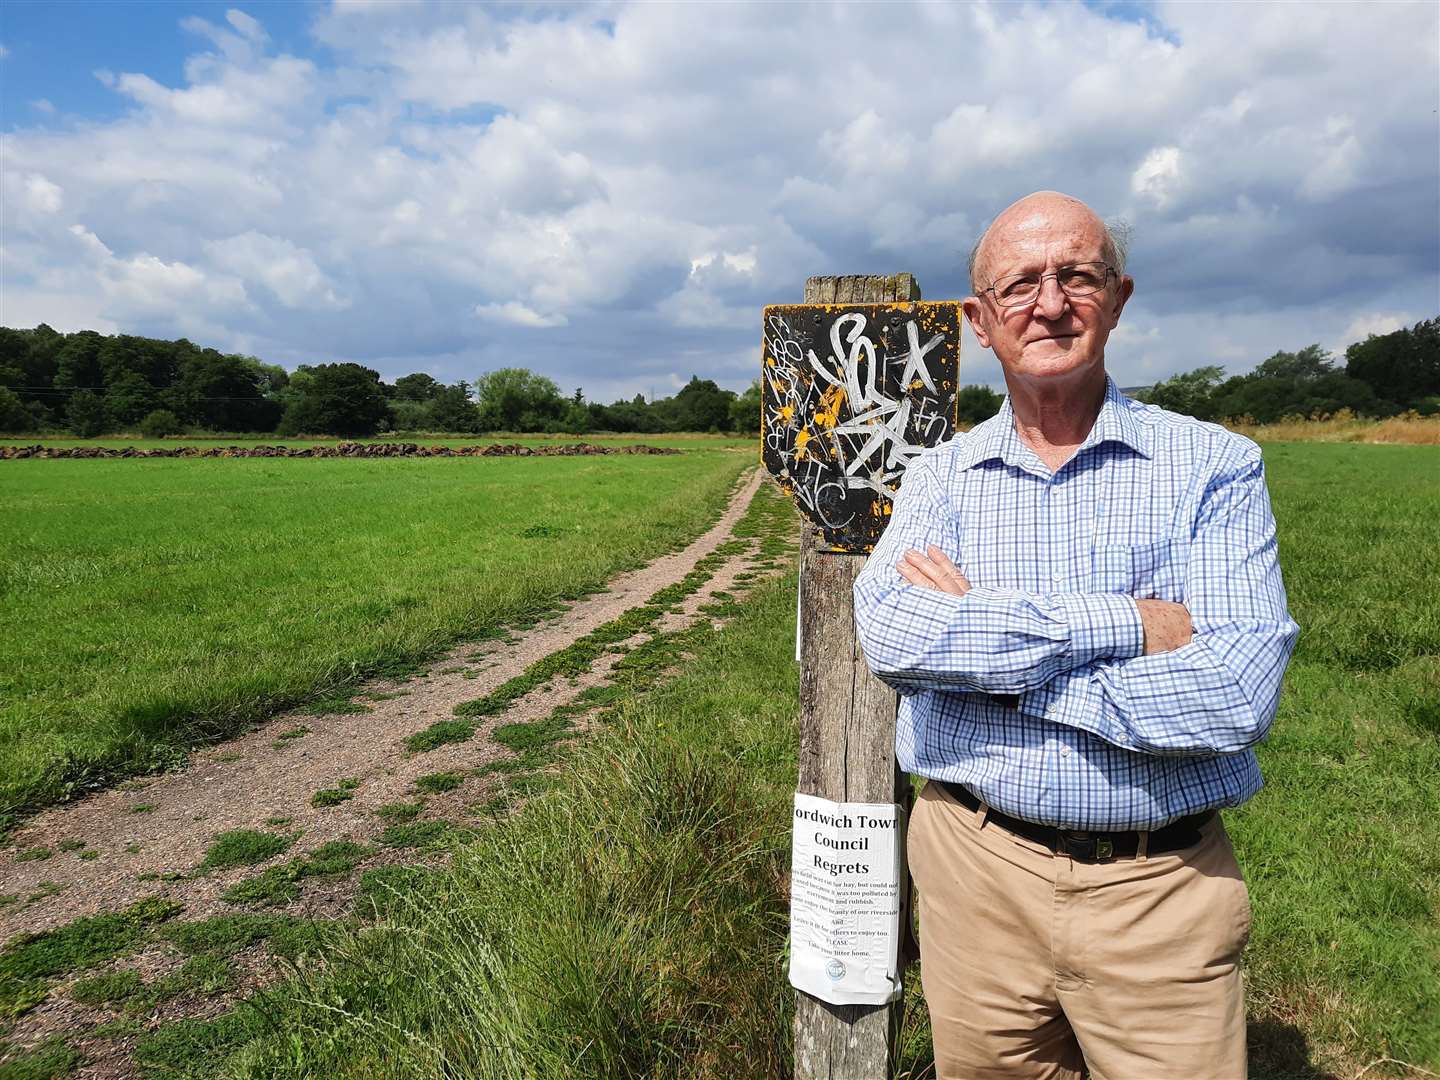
[(30, 965), (154, 605), (29, 962), (244, 847), (629, 920), (1340, 848), (50, 1060), (279, 885)]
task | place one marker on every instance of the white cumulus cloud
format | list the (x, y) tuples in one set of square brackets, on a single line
[(43, 196), (514, 313), (287, 271), (1158, 175)]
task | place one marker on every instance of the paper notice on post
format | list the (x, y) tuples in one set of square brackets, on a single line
[(845, 901)]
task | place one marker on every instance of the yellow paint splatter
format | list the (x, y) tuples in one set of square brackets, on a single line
[(831, 402)]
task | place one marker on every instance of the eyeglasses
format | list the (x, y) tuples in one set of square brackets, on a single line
[(1081, 279)]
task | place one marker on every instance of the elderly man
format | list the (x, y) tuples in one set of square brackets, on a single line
[(1080, 606)]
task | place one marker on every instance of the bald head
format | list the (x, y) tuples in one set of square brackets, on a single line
[(1042, 210)]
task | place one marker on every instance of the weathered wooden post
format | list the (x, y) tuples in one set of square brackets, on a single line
[(855, 383)]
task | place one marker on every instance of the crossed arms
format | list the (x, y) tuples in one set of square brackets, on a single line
[(1146, 675)]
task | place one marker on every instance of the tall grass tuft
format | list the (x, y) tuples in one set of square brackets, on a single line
[(612, 929)]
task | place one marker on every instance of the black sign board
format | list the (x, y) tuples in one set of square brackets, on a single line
[(850, 393)]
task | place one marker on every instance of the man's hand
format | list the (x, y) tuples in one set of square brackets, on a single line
[(1167, 625), (933, 570)]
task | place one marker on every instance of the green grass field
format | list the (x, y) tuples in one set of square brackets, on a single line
[(683, 440), (150, 605), (631, 920), (1339, 850)]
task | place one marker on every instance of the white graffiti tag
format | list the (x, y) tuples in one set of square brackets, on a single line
[(853, 419)]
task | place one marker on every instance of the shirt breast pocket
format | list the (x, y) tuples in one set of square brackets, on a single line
[(1154, 571)]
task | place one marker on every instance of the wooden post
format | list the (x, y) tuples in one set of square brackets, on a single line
[(847, 745)]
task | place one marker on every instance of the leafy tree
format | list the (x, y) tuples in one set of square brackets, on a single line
[(128, 398), (270, 378), (1402, 367), (224, 392), (635, 415), (576, 420), (301, 379), (152, 362), (14, 357), (977, 403), (86, 413), (40, 367), (337, 399), (451, 409), (1189, 392), (417, 387), (1304, 383), (516, 399), (701, 406), (1309, 363), (411, 415), (14, 417), (77, 362), (745, 411)]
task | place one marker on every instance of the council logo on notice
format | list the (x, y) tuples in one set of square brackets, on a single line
[(835, 969)]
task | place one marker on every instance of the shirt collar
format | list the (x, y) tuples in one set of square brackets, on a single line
[(996, 438)]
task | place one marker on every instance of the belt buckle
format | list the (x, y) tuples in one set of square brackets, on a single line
[(1086, 846)]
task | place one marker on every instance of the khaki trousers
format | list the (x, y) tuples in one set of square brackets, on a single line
[(1035, 965)]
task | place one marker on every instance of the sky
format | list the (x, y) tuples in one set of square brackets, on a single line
[(609, 193)]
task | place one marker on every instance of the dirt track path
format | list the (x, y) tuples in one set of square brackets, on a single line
[(147, 837)]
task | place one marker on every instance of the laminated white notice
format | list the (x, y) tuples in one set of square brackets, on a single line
[(845, 901)]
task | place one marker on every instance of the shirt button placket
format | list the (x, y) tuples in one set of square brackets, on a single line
[(1057, 542)]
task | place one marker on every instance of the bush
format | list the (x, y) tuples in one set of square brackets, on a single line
[(160, 423)]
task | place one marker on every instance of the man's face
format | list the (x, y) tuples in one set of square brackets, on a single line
[(1057, 338)]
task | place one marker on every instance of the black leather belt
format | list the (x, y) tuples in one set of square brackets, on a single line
[(1088, 846)]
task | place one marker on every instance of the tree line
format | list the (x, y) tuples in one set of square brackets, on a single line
[(1383, 375), (90, 384)]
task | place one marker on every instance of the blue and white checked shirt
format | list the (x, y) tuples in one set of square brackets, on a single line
[(1103, 738)]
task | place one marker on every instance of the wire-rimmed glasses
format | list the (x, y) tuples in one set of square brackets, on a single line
[(1078, 279)]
